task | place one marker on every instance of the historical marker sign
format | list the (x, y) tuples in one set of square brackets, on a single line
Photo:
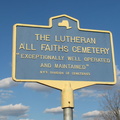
[(62, 51)]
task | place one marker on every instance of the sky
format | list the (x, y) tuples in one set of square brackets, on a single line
[(33, 101)]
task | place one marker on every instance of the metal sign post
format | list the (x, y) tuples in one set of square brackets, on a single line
[(63, 56), (68, 113), (67, 102)]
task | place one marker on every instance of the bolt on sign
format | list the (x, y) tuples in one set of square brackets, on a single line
[(62, 52)]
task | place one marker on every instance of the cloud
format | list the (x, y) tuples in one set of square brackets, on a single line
[(5, 94), (56, 110), (118, 77), (13, 110), (118, 71), (94, 115), (88, 93), (85, 92), (38, 87), (7, 83), (91, 114)]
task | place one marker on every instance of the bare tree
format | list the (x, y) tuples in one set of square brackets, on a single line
[(111, 106)]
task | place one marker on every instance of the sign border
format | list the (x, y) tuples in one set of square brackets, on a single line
[(55, 83)]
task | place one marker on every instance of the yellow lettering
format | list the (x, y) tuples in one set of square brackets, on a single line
[(21, 46), (27, 46), (47, 47), (75, 39), (70, 66), (36, 36), (80, 73), (43, 72), (106, 50), (56, 72), (42, 37), (73, 58), (47, 65), (93, 40), (95, 50), (92, 59)]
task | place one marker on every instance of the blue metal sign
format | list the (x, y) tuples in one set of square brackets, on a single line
[(62, 51)]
